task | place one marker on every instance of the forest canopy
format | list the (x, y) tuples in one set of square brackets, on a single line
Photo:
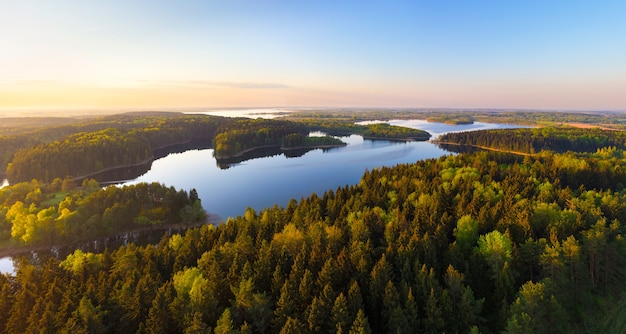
[(474, 242), (535, 140), (35, 214)]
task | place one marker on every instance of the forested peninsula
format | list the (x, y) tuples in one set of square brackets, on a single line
[(81, 148), (87, 146), (534, 140)]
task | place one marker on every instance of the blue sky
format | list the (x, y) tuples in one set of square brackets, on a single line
[(459, 54)]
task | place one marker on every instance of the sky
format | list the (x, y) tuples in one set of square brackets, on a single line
[(566, 55)]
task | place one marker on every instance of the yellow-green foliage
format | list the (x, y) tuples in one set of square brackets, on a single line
[(79, 260), (188, 283), (290, 238)]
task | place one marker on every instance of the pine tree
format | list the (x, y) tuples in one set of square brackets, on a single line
[(393, 311), (340, 315), (292, 326), (360, 324), (158, 320), (285, 306), (197, 326), (433, 319), (354, 300), (85, 319), (320, 310), (224, 324)]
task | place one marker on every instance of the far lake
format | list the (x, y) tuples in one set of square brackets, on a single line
[(264, 182)]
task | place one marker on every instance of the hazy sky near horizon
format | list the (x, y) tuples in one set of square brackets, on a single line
[(236, 53)]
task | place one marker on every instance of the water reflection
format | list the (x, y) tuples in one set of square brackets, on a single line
[(270, 177), (275, 178), (438, 129), (7, 264), (123, 174)]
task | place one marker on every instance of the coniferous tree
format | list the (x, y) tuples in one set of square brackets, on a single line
[(340, 314), (224, 324), (360, 324)]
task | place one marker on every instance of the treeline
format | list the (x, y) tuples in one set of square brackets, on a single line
[(387, 131), (126, 140), (20, 133), (165, 128), (245, 134), (342, 127), (450, 119), (37, 214), (528, 117), (78, 155), (81, 149), (298, 140), (534, 140), (467, 243)]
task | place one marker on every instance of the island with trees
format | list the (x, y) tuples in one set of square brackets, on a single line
[(342, 127), (246, 135)]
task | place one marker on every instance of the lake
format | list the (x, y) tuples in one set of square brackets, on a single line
[(262, 182)]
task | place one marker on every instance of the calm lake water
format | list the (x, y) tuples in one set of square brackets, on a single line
[(263, 182)]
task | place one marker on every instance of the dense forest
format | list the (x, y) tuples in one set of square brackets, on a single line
[(83, 148), (298, 141), (487, 242), (61, 212), (534, 140), (344, 127), (247, 134)]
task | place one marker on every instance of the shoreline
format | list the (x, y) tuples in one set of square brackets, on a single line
[(146, 161), (313, 147), (14, 251), (242, 153), (395, 138), (252, 149), (85, 176), (108, 169)]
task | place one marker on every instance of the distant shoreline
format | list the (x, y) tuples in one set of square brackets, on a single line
[(146, 161), (395, 138)]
